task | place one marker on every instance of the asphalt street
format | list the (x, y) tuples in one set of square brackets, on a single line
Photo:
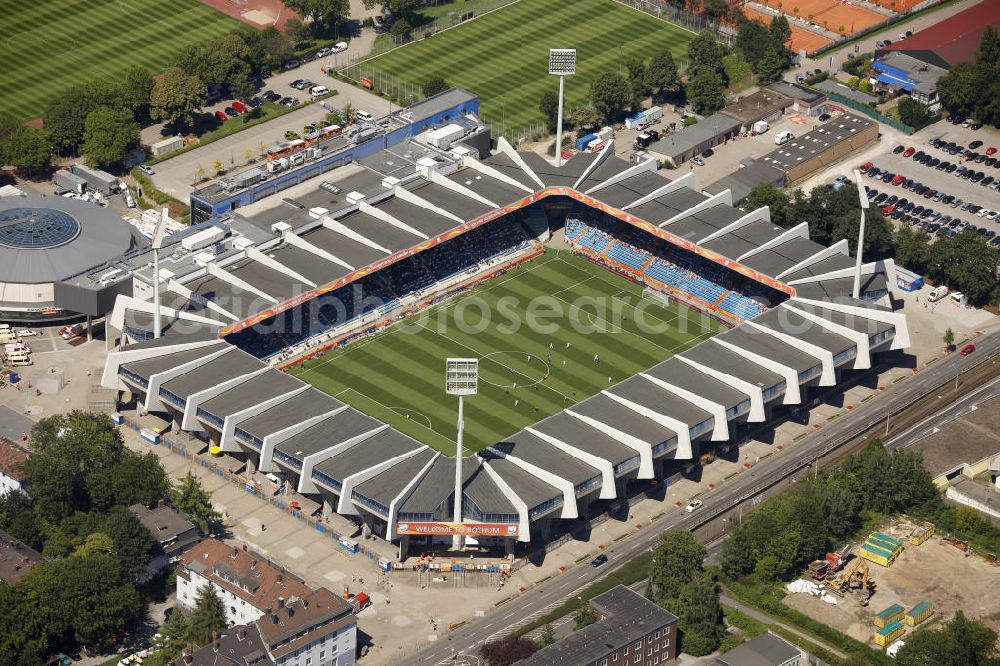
[(765, 475)]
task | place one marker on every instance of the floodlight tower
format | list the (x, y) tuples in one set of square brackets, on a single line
[(461, 379), (158, 234), (861, 234), (562, 63)]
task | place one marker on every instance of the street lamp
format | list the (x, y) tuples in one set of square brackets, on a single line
[(562, 63), (461, 379)]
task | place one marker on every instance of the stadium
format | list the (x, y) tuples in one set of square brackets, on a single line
[(315, 357)]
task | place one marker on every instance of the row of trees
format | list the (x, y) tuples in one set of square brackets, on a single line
[(80, 481), (973, 88), (818, 514), (679, 583)]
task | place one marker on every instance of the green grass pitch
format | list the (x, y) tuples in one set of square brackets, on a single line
[(503, 56), (49, 45), (398, 375)]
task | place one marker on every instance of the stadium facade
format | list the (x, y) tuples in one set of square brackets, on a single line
[(232, 317)]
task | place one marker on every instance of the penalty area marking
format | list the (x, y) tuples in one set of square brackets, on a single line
[(548, 368), (403, 411)]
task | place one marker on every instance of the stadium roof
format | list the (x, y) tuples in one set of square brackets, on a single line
[(955, 39), (542, 469), (48, 239)]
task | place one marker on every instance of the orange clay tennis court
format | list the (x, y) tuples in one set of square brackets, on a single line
[(896, 5), (829, 14), (802, 39)]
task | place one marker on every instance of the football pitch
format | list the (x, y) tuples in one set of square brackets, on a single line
[(49, 45), (535, 330), (503, 56)]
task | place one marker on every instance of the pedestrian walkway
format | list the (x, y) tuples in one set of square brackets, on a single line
[(760, 616)]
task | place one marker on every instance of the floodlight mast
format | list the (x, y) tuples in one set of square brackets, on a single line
[(158, 234), (461, 379), (863, 197), (562, 63)]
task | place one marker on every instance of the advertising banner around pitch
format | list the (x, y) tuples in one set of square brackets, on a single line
[(463, 529)]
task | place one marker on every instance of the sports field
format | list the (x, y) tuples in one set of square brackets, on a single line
[(581, 310), (503, 56), (48, 45)]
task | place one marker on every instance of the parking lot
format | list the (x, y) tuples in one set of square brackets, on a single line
[(906, 173)]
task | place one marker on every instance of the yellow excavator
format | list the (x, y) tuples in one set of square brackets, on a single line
[(861, 580)]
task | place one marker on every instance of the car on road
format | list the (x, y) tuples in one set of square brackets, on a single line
[(599, 560), (220, 116), (693, 506), (697, 160), (968, 349)]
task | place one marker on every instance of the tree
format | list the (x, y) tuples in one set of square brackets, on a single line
[(396, 7), (135, 88), (208, 617), (549, 106), (752, 38), (400, 30), (912, 112), (769, 196), (715, 8), (585, 117), (217, 166), (8, 124), (195, 501), (610, 95), (661, 74), (26, 148), (780, 32), (704, 53), (297, 31), (547, 637), (133, 543), (109, 135), (96, 542), (699, 617), (65, 118), (967, 262), (949, 338), (637, 80), (913, 248), (175, 97), (24, 635), (434, 85), (328, 13), (706, 91), (583, 618), (771, 66), (75, 454), (506, 651), (276, 47), (960, 642), (676, 561)]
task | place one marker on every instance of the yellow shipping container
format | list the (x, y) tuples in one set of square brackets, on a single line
[(919, 613), (921, 533), (889, 633)]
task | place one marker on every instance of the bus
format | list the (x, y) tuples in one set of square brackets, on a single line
[(285, 149), (322, 134)]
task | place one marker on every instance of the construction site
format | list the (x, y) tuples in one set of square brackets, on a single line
[(900, 577)]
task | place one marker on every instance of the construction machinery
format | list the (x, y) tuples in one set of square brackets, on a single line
[(831, 564), (838, 584), (861, 580)]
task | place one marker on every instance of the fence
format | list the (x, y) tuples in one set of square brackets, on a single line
[(867, 110), (468, 11), (682, 18), (391, 85)]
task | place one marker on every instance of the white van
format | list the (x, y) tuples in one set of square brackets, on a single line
[(783, 137), (937, 294), (16, 348), (361, 114), (318, 91), (18, 359)]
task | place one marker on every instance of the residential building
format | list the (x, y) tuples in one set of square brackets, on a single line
[(317, 630), (247, 584), (173, 532), (630, 630), (764, 650), (16, 558), (900, 72), (12, 459)]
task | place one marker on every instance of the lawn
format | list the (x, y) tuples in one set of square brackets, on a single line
[(398, 376), (503, 56), (49, 45)]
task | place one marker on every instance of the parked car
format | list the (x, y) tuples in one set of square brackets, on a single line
[(339, 47), (898, 149), (824, 117), (148, 170), (239, 107), (26, 333), (697, 160), (909, 151), (256, 103), (292, 64), (231, 112), (220, 116)]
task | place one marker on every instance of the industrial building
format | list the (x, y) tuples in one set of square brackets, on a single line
[(413, 199), (766, 105), (749, 174), (767, 649), (680, 146), (819, 148)]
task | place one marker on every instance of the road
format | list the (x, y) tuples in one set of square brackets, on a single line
[(743, 487), (957, 408)]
